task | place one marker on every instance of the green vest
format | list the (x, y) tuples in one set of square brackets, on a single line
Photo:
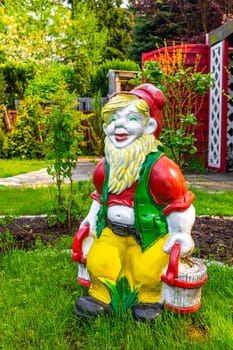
[(150, 222)]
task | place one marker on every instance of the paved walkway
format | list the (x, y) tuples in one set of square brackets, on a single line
[(211, 181), (39, 178)]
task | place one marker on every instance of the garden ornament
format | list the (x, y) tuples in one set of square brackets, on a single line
[(141, 208)]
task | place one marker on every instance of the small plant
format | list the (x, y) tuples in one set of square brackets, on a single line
[(6, 238), (185, 88), (6, 241), (63, 128), (122, 295)]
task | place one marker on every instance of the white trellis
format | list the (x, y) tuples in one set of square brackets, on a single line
[(215, 115)]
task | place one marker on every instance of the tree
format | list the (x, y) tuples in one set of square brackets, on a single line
[(43, 31), (178, 21), (114, 19), (144, 29), (118, 21)]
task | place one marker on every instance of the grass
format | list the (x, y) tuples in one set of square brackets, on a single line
[(12, 167), (213, 203), (24, 200), (38, 291), (35, 200)]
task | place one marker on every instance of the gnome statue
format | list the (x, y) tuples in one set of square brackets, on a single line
[(141, 207)]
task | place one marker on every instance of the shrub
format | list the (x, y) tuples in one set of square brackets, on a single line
[(3, 87), (2, 137), (95, 127), (184, 88), (16, 76), (100, 79), (47, 81), (25, 141)]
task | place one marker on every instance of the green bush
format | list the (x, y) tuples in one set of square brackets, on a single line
[(100, 79), (3, 87), (16, 76), (95, 127), (25, 141), (47, 80), (2, 137)]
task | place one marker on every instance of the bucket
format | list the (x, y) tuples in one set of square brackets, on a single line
[(182, 282), (78, 254)]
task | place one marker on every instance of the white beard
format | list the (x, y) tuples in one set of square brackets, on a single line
[(125, 164)]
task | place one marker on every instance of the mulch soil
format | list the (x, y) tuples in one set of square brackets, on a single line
[(213, 236)]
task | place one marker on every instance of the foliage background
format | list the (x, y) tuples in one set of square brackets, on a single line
[(43, 43)]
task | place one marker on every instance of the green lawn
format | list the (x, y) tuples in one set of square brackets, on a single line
[(38, 291), (213, 203), (34, 201), (37, 200), (12, 167)]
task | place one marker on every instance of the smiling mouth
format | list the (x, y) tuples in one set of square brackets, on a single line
[(121, 137)]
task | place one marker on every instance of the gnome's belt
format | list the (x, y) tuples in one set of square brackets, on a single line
[(123, 229)]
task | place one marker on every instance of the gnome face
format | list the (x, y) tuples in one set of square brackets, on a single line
[(127, 124)]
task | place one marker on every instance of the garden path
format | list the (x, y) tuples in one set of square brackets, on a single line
[(210, 181)]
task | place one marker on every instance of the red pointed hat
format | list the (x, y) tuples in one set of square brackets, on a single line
[(155, 100)]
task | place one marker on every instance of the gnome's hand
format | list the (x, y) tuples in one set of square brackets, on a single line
[(180, 225), (186, 243)]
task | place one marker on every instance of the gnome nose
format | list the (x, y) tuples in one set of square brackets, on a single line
[(120, 122)]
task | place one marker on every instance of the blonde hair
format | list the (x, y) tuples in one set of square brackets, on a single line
[(120, 101)]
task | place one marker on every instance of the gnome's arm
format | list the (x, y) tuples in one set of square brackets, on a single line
[(98, 180), (168, 188), (91, 217)]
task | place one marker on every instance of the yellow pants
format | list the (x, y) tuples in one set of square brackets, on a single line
[(112, 257)]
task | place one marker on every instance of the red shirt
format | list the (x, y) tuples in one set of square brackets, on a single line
[(166, 185)]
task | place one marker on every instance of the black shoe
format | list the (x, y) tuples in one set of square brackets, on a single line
[(88, 306), (146, 311)]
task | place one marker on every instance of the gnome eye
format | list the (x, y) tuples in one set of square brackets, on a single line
[(133, 118), (113, 119)]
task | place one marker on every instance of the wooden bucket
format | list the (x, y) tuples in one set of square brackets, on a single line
[(182, 282), (78, 255)]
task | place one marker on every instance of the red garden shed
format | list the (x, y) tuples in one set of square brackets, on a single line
[(215, 132)]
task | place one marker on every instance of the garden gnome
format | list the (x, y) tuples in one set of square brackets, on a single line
[(141, 207)]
